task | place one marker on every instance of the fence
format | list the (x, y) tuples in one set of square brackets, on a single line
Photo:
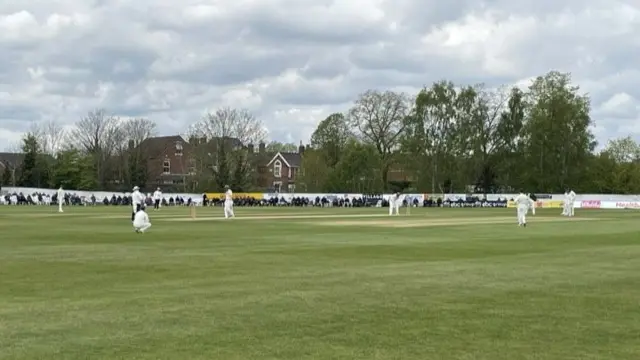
[(585, 201)]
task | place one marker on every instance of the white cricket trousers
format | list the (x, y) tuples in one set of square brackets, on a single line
[(570, 210), (228, 209), (522, 214), (142, 227), (393, 207), (59, 206)]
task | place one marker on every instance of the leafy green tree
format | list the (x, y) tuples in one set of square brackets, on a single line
[(378, 118), (623, 150), (242, 174), (33, 170), (314, 171), (74, 170), (221, 169), (358, 170), (509, 143), (331, 137), (558, 140), (430, 135)]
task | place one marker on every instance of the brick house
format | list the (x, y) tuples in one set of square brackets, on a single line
[(259, 160), (282, 170), (169, 162)]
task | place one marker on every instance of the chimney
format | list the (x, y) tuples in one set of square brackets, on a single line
[(250, 148), (301, 148), (262, 147), (131, 143)]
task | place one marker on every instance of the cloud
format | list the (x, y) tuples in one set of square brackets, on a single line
[(294, 62)]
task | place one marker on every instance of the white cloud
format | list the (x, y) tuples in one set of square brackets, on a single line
[(293, 62)]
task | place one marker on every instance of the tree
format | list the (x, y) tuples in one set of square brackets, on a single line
[(223, 134), (7, 177), (313, 171), (241, 179), (227, 122), (558, 140), (430, 132), (509, 141), (99, 135), (74, 170), (276, 146), (50, 135), (483, 108), (135, 132), (358, 170), (33, 171), (331, 137), (378, 118), (623, 150)]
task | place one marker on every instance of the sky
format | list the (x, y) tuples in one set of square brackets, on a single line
[(294, 62)]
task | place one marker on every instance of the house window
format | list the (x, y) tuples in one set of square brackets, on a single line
[(192, 166), (166, 166), (179, 148), (277, 186), (289, 173), (277, 169), (292, 188)]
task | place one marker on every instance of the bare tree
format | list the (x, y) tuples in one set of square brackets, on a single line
[(50, 135), (230, 123), (98, 134), (379, 118), (135, 132), (221, 156)]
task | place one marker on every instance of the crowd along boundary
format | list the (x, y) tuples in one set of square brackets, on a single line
[(585, 201)]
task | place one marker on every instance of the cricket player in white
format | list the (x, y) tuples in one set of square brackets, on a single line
[(141, 222), (228, 203), (571, 200), (565, 203), (137, 201), (523, 204), (60, 199), (394, 204), (157, 197)]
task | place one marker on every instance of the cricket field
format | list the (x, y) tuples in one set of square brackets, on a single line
[(322, 284)]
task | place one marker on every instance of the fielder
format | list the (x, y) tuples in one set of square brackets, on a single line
[(141, 222), (157, 197), (137, 202), (523, 204), (570, 206), (60, 199), (394, 204), (228, 203), (565, 204)]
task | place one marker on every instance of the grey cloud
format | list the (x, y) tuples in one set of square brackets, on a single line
[(101, 64), (129, 45), (238, 66)]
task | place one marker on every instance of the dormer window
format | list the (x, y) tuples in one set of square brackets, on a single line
[(178, 148)]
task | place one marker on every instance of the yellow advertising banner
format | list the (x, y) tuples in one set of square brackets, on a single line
[(544, 204), (550, 204), (257, 196)]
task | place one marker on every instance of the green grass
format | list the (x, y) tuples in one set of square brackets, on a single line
[(83, 285)]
